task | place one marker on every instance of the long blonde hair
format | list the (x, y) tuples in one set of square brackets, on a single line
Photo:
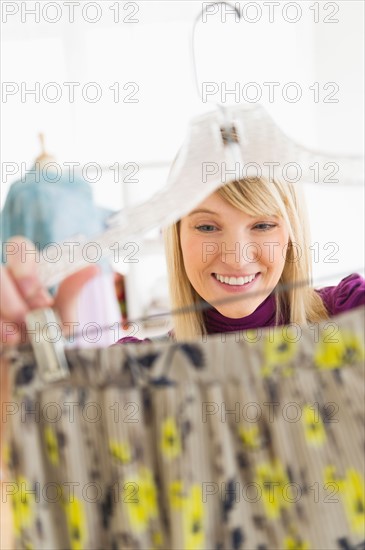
[(253, 196)]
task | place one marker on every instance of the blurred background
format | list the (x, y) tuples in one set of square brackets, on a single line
[(129, 66)]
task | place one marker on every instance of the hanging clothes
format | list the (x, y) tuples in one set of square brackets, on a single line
[(47, 208), (256, 443)]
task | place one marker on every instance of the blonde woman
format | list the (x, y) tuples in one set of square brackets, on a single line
[(244, 253)]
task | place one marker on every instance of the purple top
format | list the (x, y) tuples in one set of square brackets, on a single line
[(348, 294)]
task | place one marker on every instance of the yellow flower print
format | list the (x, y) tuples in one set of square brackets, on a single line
[(291, 543), (120, 451), (193, 520), (170, 438), (272, 479), (142, 501), (51, 442), (23, 505), (329, 475), (250, 436), (279, 351), (351, 489), (339, 348), (157, 540), (76, 523), (176, 494), (190, 504), (354, 497), (314, 430)]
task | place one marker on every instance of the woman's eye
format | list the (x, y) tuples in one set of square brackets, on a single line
[(264, 226), (206, 228)]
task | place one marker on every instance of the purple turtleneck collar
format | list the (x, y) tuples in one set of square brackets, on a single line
[(263, 316), (348, 294)]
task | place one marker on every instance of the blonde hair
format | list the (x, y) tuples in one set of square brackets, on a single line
[(254, 196)]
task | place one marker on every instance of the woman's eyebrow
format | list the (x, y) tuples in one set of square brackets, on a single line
[(207, 211), (204, 211)]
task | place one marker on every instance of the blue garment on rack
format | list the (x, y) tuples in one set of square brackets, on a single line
[(47, 211)]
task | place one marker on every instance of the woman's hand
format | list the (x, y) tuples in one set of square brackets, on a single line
[(21, 291)]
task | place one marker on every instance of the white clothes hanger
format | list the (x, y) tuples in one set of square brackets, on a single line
[(44, 158)]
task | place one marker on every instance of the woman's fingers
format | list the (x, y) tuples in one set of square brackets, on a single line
[(11, 333), (13, 305), (23, 268), (22, 291), (68, 292)]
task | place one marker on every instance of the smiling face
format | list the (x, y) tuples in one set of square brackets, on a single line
[(227, 252)]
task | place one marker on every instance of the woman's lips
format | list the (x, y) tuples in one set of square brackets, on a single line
[(236, 288)]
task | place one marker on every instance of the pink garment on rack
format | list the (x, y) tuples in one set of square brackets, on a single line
[(98, 313)]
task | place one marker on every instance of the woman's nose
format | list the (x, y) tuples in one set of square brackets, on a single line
[(239, 252)]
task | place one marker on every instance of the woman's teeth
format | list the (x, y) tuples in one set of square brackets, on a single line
[(235, 280)]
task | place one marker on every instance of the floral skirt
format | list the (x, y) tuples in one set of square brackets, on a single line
[(247, 440)]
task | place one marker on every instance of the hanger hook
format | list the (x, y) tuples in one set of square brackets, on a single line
[(202, 12), (42, 140)]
